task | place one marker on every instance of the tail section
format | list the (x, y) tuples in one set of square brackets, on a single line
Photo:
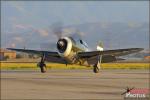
[(100, 46)]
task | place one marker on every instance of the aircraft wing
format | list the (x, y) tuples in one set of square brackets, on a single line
[(37, 52), (49, 56), (117, 52)]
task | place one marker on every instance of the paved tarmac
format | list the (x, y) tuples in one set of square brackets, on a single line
[(70, 84)]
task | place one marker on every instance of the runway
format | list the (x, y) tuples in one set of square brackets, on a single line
[(71, 84)]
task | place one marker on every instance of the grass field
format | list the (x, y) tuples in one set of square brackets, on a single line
[(63, 66)]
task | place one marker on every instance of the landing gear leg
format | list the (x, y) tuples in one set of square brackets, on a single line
[(96, 67), (42, 64)]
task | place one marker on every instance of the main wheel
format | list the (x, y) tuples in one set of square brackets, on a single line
[(96, 68), (43, 68)]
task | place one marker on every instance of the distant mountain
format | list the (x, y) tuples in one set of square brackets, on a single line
[(116, 35), (113, 36)]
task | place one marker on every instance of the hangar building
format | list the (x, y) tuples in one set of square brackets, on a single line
[(7, 53)]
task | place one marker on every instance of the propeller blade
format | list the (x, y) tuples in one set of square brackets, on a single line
[(57, 29)]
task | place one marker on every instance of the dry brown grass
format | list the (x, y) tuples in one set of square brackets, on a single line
[(63, 66)]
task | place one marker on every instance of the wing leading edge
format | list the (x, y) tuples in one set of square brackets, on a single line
[(117, 52), (49, 56), (37, 52)]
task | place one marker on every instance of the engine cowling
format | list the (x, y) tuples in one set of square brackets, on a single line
[(64, 46)]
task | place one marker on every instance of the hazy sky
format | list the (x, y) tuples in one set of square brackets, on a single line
[(18, 16)]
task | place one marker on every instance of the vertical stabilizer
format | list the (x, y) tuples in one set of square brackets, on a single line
[(100, 46)]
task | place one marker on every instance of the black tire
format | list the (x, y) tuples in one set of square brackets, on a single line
[(96, 69), (43, 68)]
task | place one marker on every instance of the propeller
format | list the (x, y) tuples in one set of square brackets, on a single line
[(57, 29)]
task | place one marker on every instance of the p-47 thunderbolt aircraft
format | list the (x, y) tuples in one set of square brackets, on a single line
[(76, 51)]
